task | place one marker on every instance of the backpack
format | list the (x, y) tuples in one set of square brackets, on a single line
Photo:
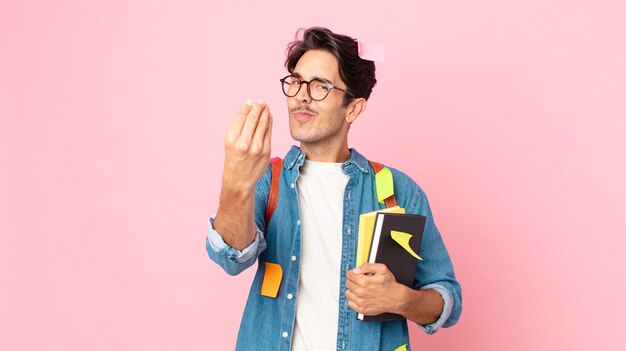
[(272, 199)]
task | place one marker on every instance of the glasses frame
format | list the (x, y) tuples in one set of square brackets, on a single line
[(308, 87)]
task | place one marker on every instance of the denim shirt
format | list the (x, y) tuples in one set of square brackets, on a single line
[(268, 323)]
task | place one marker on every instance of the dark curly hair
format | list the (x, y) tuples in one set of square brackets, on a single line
[(358, 74)]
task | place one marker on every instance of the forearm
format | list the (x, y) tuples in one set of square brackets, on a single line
[(247, 144), (234, 220), (420, 306)]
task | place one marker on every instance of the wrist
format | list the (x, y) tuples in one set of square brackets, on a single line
[(236, 193), (406, 299)]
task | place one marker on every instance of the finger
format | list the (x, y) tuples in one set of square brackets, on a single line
[(261, 129), (252, 120), (267, 140), (350, 295), (240, 118), (371, 268), (352, 277), (351, 285), (358, 281), (369, 280), (353, 305), (358, 291)]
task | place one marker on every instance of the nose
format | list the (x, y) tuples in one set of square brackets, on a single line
[(303, 95)]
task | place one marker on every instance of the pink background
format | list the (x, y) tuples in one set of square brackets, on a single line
[(511, 115)]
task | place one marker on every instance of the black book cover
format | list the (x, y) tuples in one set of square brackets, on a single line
[(388, 251)]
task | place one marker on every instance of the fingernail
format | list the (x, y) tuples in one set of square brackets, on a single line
[(357, 270), (249, 102), (260, 101)]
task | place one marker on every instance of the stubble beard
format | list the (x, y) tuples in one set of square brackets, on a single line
[(317, 137)]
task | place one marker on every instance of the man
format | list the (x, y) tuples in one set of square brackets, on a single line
[(324, 186)]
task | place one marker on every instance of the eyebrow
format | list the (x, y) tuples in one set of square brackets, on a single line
[(298, 75)]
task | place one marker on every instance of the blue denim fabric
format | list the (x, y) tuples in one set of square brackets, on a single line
[(267, 323)]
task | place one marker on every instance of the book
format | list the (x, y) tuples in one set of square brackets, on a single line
[(395, 242), (366, 230)]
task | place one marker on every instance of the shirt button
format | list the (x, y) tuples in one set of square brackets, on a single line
[(293, 258), (292, 185), (349, 230), (298, 222), (289, 296), (285, 334)]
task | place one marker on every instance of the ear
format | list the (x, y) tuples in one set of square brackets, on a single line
[(356, 107)]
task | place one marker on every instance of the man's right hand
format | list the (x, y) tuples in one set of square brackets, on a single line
[(248, 147)]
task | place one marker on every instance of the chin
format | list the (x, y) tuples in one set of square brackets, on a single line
[(302, 136), (299, 137), (297, 133)]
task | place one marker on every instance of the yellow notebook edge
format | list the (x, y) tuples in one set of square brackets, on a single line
[(364, 239)]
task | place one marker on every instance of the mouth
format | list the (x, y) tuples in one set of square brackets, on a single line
[(301, 115)]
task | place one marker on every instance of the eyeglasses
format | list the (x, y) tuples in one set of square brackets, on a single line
[(318, 89)]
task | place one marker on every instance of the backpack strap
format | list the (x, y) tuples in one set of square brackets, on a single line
[(391, 200), (272, 199), (277, 167)]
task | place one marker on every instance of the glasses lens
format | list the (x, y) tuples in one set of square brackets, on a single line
[(291, 86), (319, 89)]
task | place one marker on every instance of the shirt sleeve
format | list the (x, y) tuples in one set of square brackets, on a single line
[(217, 244), (445, 313), (436, 268), (232, 260)]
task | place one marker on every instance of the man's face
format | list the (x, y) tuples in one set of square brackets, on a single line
[(315, 122)]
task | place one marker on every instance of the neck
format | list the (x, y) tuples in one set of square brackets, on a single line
[(326, 153)]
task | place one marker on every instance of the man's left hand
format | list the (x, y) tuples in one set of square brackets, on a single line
[(373, 289)]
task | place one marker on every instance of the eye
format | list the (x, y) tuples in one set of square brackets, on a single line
[(294, 81), (321, 86)]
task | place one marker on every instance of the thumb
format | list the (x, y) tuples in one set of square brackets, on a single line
[(370, 268)]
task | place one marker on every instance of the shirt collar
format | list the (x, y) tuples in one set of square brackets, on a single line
[(295, 157)]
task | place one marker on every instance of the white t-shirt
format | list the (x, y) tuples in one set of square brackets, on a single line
[(321, 187)]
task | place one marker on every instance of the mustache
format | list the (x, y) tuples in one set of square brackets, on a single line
[(303, 108)]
